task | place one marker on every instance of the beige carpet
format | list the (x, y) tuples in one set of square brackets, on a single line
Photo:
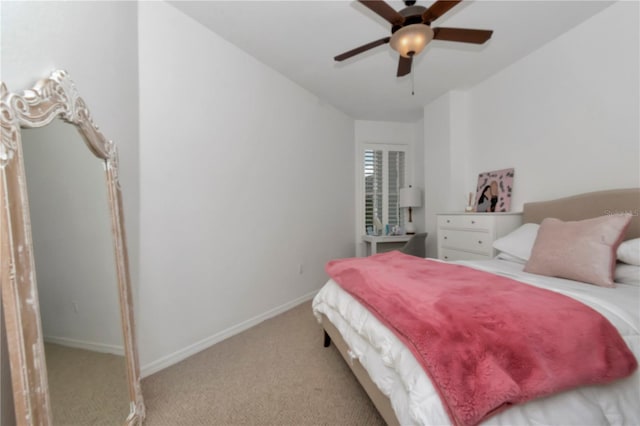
[(276, 373), (86, 388)]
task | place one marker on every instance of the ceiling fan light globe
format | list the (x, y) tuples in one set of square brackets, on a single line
[(411, 40)]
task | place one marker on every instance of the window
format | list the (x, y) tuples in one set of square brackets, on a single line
[(384, 175)]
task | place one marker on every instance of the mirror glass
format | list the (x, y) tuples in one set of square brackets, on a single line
[(76, 277)]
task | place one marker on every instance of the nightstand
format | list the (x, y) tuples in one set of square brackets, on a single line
[(390, 242), (470, 236)]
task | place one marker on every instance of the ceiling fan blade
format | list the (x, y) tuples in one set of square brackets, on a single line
[(438, 9), (463, 35), (383, 9), (404, 66), (361, 49)]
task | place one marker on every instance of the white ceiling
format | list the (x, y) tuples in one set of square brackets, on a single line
[(300, 38)]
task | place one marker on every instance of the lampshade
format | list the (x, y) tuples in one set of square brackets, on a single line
[(410, 197), (410, 40)]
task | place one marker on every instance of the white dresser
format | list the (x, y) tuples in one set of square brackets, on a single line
[(470, 236)]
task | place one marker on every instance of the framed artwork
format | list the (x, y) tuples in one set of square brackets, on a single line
[(493, 193)]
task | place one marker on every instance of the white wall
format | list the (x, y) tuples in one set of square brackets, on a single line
[(418, 161), (446, 159), (245, 179), (390, 133), (565, 117)]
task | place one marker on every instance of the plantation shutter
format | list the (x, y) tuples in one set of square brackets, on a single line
[(384, 175), (373, 193), (396, 181)]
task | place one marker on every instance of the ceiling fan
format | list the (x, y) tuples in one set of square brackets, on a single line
[(411, 30)]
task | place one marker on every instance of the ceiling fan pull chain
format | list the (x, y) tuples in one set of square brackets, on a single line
[(412, 84)]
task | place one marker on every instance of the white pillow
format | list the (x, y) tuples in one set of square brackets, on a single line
[(519, 242), (627, 274), (506, 256), (629, 252)]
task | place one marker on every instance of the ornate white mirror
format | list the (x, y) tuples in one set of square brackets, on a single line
[(81, 304)]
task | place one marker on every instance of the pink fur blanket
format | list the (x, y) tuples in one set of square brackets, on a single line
[(486, 341)]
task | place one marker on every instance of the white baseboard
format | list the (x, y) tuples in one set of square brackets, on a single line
[(166, 361), (82, 344)]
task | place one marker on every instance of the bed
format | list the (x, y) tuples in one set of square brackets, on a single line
[(404, 394)]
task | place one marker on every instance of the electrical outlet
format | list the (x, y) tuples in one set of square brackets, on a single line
[(300, 268), (75, 307)]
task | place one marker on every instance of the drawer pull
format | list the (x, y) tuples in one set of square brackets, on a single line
[(479, 241), (473, 222), (445, 237), (446, 257), (448, 221)]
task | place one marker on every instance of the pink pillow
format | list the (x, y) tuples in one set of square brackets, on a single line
[(582, 251)]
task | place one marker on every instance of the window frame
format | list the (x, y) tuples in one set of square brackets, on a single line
[(360, 179)]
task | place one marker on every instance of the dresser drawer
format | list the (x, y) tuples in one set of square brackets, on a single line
[(471, 235), (466, 240), (451, 255), (466, 221)]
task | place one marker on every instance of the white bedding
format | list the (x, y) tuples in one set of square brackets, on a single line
[(393, 368)]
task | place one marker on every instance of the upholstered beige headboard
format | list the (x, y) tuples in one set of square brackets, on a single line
[(585, 206)]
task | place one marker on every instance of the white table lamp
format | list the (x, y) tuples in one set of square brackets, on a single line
[(410, 197)]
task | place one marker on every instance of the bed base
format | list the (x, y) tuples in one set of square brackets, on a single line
[(380, 400)]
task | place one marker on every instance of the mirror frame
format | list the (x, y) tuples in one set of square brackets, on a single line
[(50, 98)]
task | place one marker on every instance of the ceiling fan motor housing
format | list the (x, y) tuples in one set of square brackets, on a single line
[(412, 15)]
